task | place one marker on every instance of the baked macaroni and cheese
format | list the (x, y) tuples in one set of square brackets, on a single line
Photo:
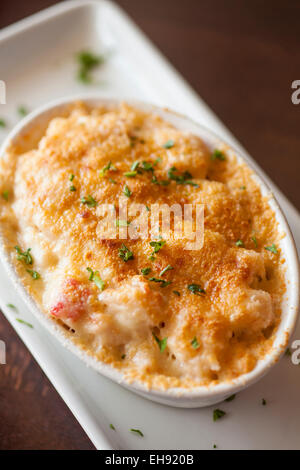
[(163, 315)]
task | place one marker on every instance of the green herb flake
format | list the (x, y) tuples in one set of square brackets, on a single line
[(254, 241), (218, 414), (87, 62), (218, 155), (272, 248), (123, 356), (215, 446), (71, 177), (145, 271), (167, 268), (162, 282), (169, 144), (195, 343), (12, 306), (22, 111), (112, 181), (127, 192), (5, 195), (2, 123), (176, 293), (130, 174), (154, 180), (137, 431), (95, 277), (24, 322), (24, 255), (196, 289), (112, 427), (34, 274), (89, 201), (162, 343), (239, 243), (72, 188), (122, 223), (243, 188), (183, 178), (106, 168), (232, 397), (157, 245), (135, 166), (125, 254)]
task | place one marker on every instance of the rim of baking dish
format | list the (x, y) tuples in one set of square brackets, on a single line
[(287, 245)]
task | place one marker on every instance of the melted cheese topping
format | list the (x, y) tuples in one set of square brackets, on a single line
[(212, 337)]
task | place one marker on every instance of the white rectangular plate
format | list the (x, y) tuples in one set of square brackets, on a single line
[(37, 64)]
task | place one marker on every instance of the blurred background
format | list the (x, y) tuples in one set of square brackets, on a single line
[(241, 57)]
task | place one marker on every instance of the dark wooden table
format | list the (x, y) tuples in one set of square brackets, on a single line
[(241, 57)]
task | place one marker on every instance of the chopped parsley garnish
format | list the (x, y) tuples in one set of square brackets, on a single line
[(122, 223), (71, 177), (157, 246), (195, 343), (154, 180), (24, 322), (33, 274), (254, 241), (112, 181), (5, 195), (123, 356), (162, 343), (2, 123), (217, 414), (232, 397), (24, 255), (89, 201), (184, 178), (127, 191), (263, 402), (72, 188), (163, 283), (176, 293), (135, 166), (147, 209), (124, 253), (243, 187), (215, 446), (130, 174), (239, 243), (137, 431), (196, 289), (167, 268), (112, 427), (106, 168), (169, 144), (272, 248), (22, 111), (87, 62), (12, 306), (145, 271), (218, 155), (147, 166), (95, 277)]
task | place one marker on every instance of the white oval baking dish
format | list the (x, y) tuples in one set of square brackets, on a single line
[(36, 123)]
